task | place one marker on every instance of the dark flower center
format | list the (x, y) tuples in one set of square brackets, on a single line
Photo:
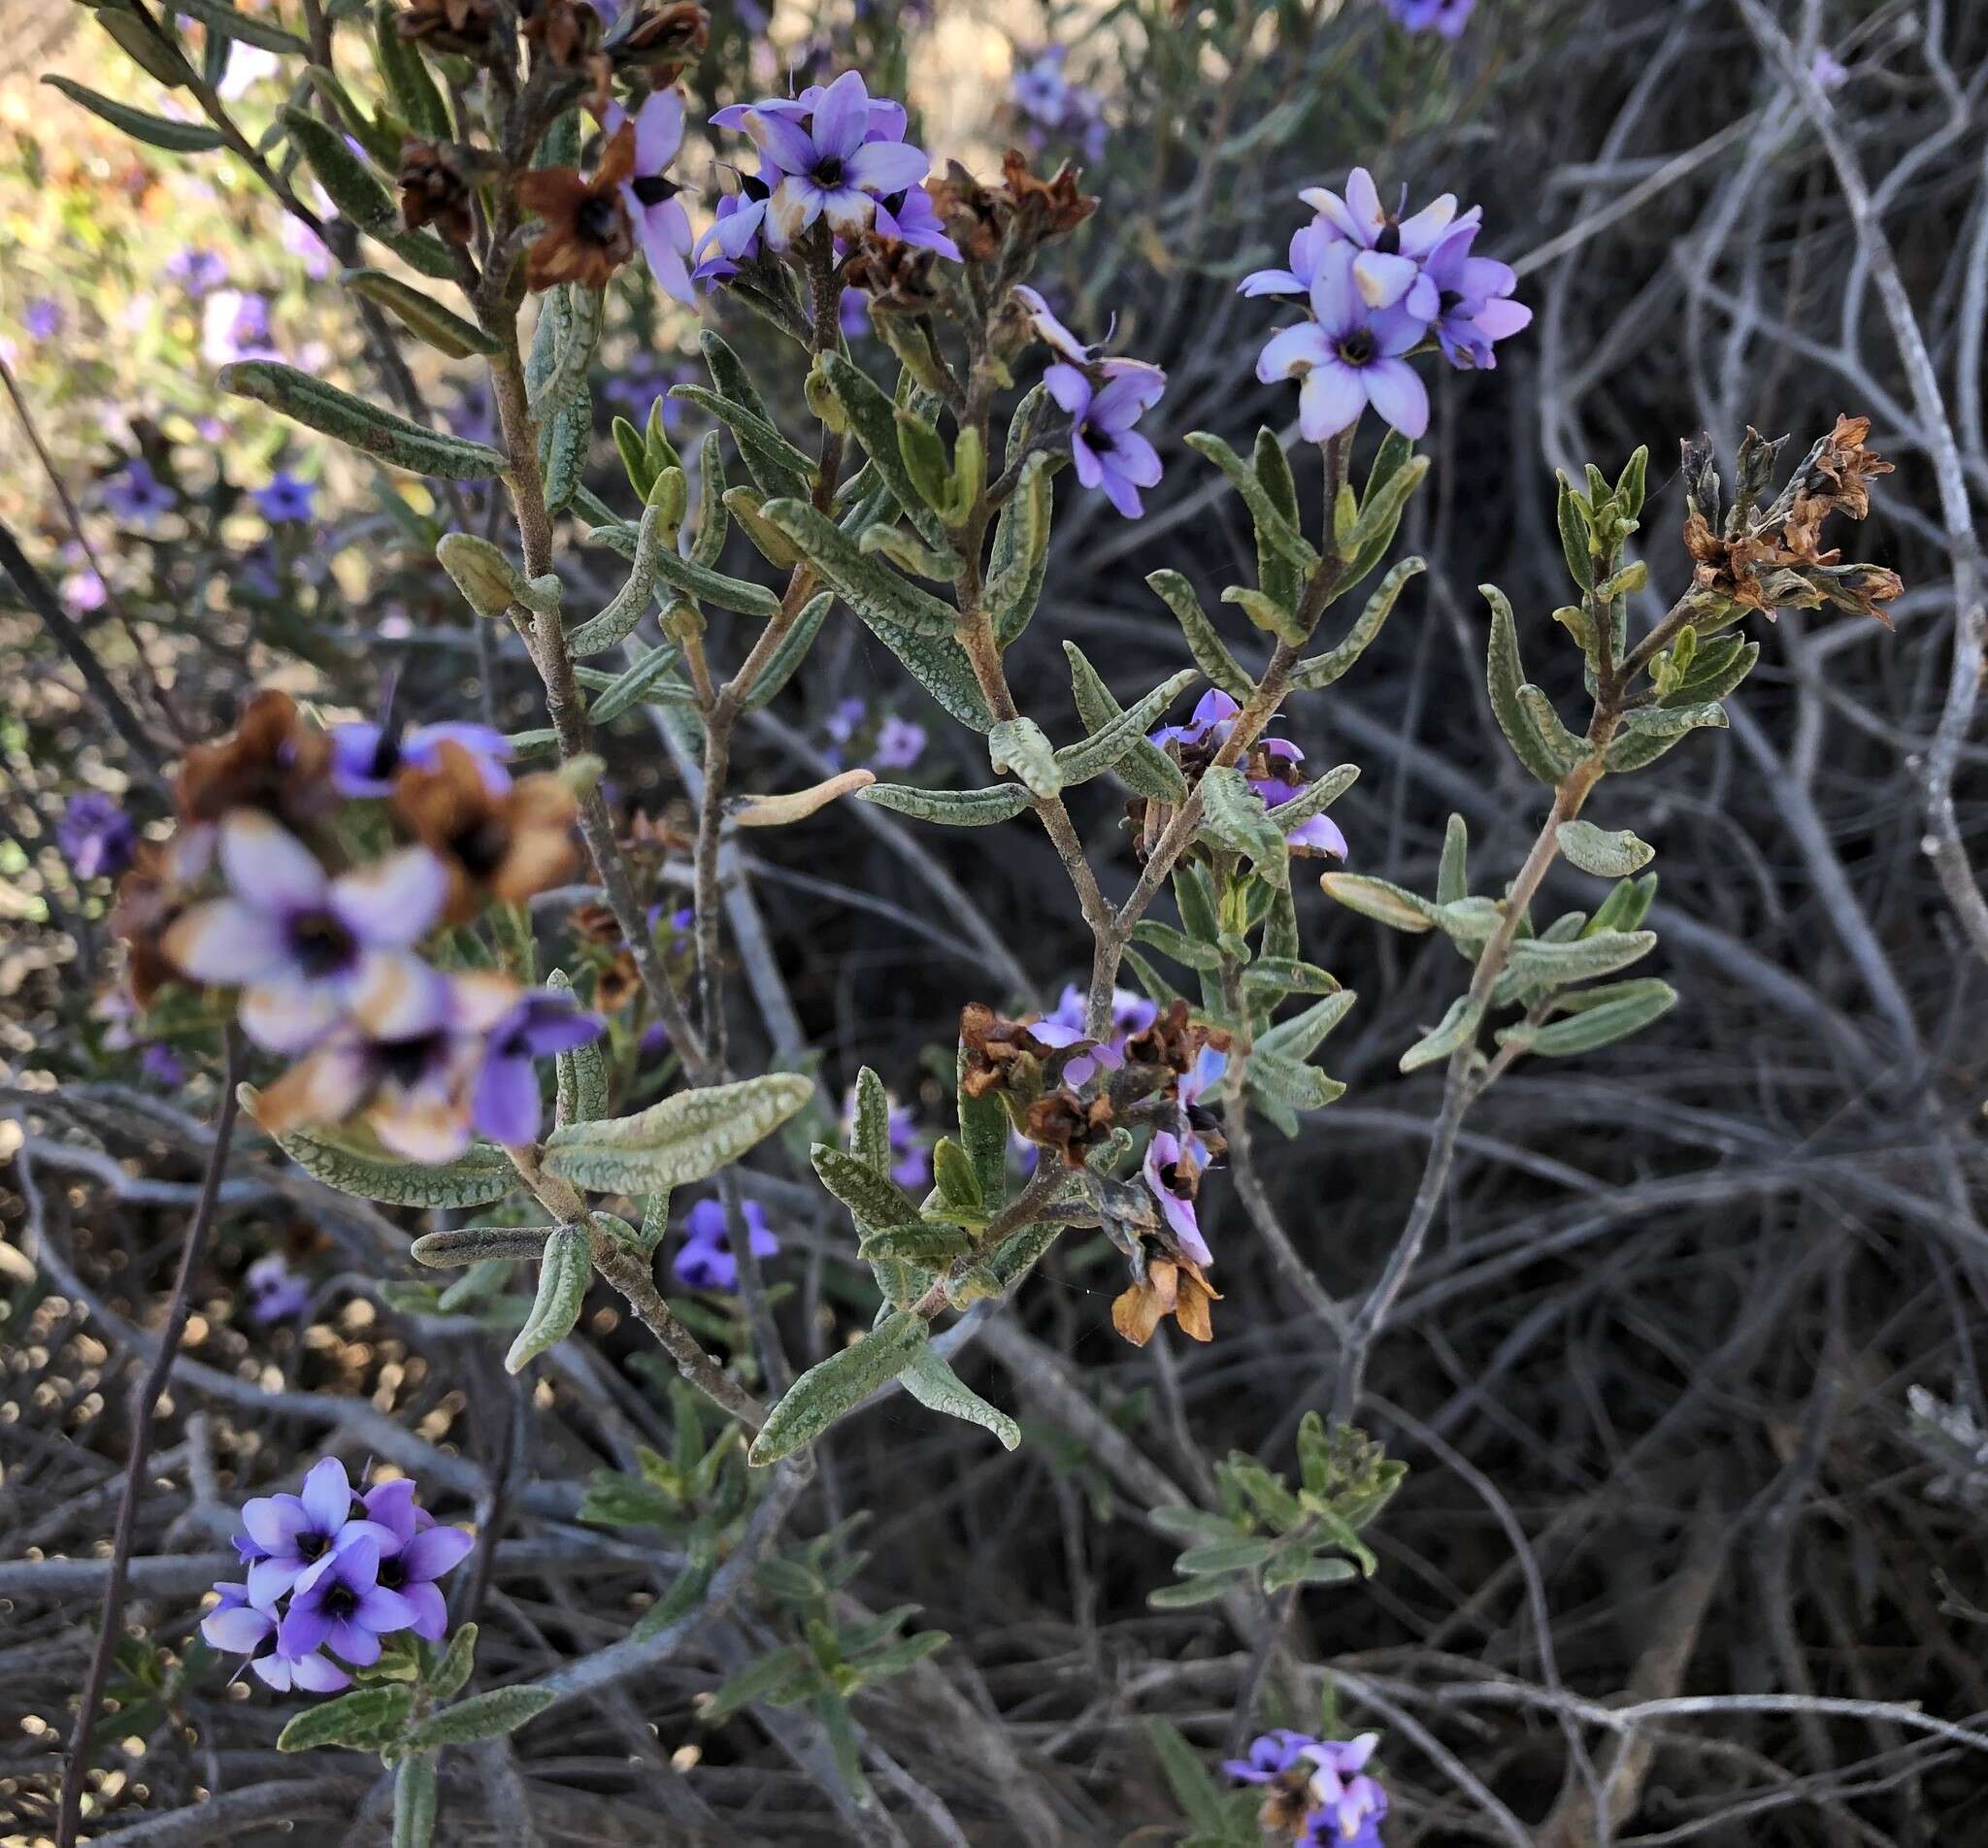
[(481, 847), (652, 189), (596, 219), (385, 757), (1102, 441), (1448, 300), (340, 1602), (753, 188), (407, 1061), (310, 1545), (1357, 347), (321, 944), (393, 1572), (1389, 242), (828, 172)]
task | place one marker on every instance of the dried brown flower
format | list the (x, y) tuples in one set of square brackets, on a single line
[(1174, 1040), (271, 760), (1043, 209), (149, 898), (595, 923), (465, 27), (1062, 1120), (433, 191), (663, 41), (1845, 462), (993, 1044), (896, 275), (588, 235), (1178, 1288), (566, 33), (496, 846), (973, 214)]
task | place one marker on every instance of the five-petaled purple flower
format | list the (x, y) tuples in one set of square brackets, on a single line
[(197, 271), (704, 1261), (286, 1536), (1348, 357), (97, 838), (662, 227), (239, 1628), (1346, 1806), (1109, 452), (366, 756), (417, 1554), (340, 1604), (135, 493), (42, 317), (505, 1104), (831, 154), (286, 497)]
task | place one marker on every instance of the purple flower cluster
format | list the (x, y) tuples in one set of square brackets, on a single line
[(328, 1575), (97, 838), (1444, 18), (1346, 1807), (1271, 768), (1130, 1015), (898, 744), (1054, 106), (704, 1261), (1177, 1159), (1378, 285), (833, 152), (1104, 398)]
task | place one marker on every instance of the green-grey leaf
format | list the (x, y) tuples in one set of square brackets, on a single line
[(421, 314), (343, 175), (950, 807), (1458, 1027), (936, 1387), (1144, 768), (1597, 1025), (684, 1139), (413, 1803), (1316, 797), (873, 416), (1236, 816), (1019, 562), (1387, 903), (474, 1179), (791, 649), (1573, 536), (1381, 512), (1285, 1081), (265, 34), (873, 1198), (453, 1673), (1607, 855), (1298, 1037), (1110, 744), (1210, 653), (156, 131), (865, 583), (1453, 876), (395, 440), (354, 1719), (1018, 747), (648, 681), (564, 1273), (838, 1385), (984, 1135), (458, 1245), (776, 466), (482, 1716), (1322, 670), (1504, 678), (1538, 961), (1183, 948), (625, 609)]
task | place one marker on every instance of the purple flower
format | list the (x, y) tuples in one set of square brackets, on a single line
[(84, 591), (1828, 70), (308, 247), (1474, 300), (911, 215), (836, 153), (1130, 1015), (1273, 770), (238, 1627), (286, 1536), (235, 327), (1270, 1755), (846, 720), (899, 744), (1308, 243), (286, 498), (305, 947), (42, 317), (1211, 1065), (704, 1261), (1040, 89), (853, 314), (1443, 17), (505, 1104), (1048, 329), (1349, 356), (366, 757), (1351, 1806), (135, 493), (97, 838), (662, 227), (197, 271), (276, 1293), (1109, 452), (163, 1065), (339, 1604), (420, 1553), (1388, 249), (733, 235), (1173, 1176)]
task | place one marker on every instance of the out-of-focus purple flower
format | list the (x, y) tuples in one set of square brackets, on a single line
[(1446, 17), (42, 317), (662, 227), (1173, 1176), (276, 1291), (97, 838), (162, 1065), (1109, 452), (247, 66), (1349, 356), (911, 1155), (844, 723), (234, 325), (1388, 249), (1130, 1015), (304, 946), (418, 1553), (284, 1535), (1270, 1755), (366, 756), (340, 1604), (286, 497), (704, 1261), (238, 1627), (305, 245), (835, 154), (198, 271), (1828, 70), (1041, 88), (135, 493), (853, 314), (84, 591), (505, 1104), (1351, 1806), (1474, 300), (256, 571), (472, 415), (899, 744)]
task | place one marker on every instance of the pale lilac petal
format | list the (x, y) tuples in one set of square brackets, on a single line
[(383, 1611), (1335, 300), (886, 167), (506, 1106), (273, 1522), (236, 1630), (270, 1578), (795, 205), (274, 1672), (1122, 493), (1270, 282), (782, 140), (1355, 1753), (658, 132), (304, 1629), (1499, 320), (1293, 351), (287, 1016), (1396, 390), (1069, 387), (395, 900), (1330, 401), (1363, 204), (849, 209), (1090, 471), (317, 1675), (439, 1550), (268, 864), (353, 1641), (1136, 458), (327, 1495), (842, 119), (1382, 279), (431, 1612), (392, 1505), (225, 941), (1335, 212), (1131, 388), (1321, 834), (1422, 233)]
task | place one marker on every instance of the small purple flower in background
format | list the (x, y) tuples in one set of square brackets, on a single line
[(1109, 452), (247, 66), (899, 744), (366, 756), (286, 497), (1270, 1755), (1173, 1176), (256, 571), (197, 271), (853, 314), (233, 326), (1040, 89), (1130, 1015), (276, 1291), (662, 227), (134, 493), (1446, 17), (302, 945), (834, 152), (162, 1065), (704, 1261), (306, 246), (842, 725), (83, 591), (911, 1154), (43, 318), (238, 1627), (505, 1104), (97, 838)]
